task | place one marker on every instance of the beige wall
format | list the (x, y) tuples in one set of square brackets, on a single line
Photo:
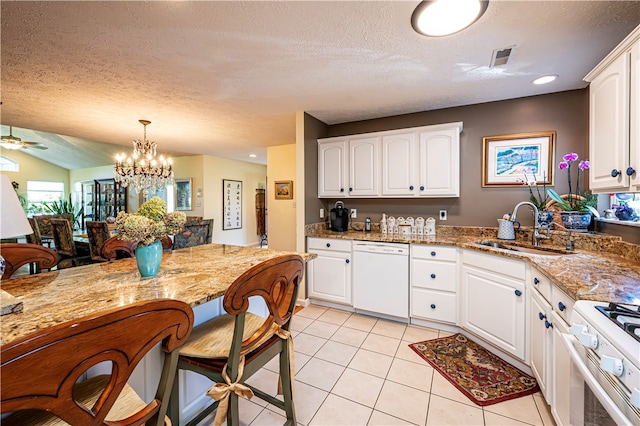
[(32, 168), (192, 167), (253, 176), (281, 216)]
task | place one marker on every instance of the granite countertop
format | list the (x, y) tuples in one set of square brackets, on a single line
[(602, 267), (194, 275)]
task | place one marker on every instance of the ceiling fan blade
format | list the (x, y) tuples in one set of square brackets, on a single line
[(36, 145)]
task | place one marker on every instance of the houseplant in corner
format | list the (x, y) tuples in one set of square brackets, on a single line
[(576, 207), (146, 227)]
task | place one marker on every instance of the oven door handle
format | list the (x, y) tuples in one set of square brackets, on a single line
[(608, 404)]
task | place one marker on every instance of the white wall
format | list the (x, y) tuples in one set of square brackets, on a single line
[(281, 214), (252, 177)]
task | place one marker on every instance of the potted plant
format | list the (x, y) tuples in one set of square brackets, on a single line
[(576, 207), (539, 199), (147, 227)]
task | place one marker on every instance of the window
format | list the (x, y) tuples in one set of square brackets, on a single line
[(8, 165), (39, 191)]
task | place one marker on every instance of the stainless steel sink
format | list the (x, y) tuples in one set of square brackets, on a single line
[(517, 247)]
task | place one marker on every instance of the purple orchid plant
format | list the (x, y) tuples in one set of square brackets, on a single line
[(578, 202)]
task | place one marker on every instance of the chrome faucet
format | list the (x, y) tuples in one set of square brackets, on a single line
[(536, 236), (570, 244)]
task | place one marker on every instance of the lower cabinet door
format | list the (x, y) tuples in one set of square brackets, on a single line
[(434, 305), (541, 342), (329, 276), (560, 377)]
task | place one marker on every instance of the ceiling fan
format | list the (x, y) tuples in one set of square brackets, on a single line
[(13, 142)]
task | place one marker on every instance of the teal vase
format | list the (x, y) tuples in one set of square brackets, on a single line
[(148, 258)]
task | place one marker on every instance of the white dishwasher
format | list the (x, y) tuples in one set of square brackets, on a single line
[(381, 278)]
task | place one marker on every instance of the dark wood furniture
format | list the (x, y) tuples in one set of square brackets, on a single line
[(40, 371), (97, 234), (109, 198), (115, 248), (194, 233), (218, 350), (43, 222), (19, 254)]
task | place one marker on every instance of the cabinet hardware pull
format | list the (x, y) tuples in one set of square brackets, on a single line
[(630, 171), (536, 281), (547, 324), (341, 189), (347, 260), (433, 253), (518, 293), (615, 173), (411, 188), (561, 306), (433, 276), (350, 189), (422, 188), (328, 244), (541, 316), (433, 306)]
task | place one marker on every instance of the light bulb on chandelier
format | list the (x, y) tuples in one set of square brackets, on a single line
[(141, 171)]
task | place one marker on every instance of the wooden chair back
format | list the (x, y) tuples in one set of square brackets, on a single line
[(44, 222), (34, 238), (276, 281), (115, 248), (193, 234), (97, 234), (19, 254), (63, 237), (40, 371)]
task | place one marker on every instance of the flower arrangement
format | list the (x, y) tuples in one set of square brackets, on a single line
[(576, 200), (150, 223), (536, 199)]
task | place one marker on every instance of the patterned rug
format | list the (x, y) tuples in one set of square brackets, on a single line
[(480, 375)]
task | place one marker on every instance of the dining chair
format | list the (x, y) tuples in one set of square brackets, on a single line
[(193, 234), (65, 246), (19, 254), (44, 222), (41, 374), (230, 348), (97, 234), (115, 248)]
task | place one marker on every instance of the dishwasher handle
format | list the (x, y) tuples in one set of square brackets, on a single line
[(399, 249)]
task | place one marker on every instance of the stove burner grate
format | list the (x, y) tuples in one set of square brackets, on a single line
[(630, 317)]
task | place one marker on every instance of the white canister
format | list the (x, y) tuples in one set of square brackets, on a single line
[(430, 226), (405, 230)]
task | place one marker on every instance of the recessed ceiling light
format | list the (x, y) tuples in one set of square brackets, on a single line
[(443, 17), (545, 79), (252, 155)]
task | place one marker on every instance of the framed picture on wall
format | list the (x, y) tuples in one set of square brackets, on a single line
[(283, 190), (231, 204), (183, 194), (511, 160)]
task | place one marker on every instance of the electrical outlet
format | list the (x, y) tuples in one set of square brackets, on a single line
[(321, 213), (443, 215), (354, 213)]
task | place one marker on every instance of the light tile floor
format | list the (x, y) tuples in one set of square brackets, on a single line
[(353, 369)]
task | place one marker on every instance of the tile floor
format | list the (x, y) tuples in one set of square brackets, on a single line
[(353, 369)]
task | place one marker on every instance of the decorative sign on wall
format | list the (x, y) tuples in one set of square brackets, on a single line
[(231, 204)]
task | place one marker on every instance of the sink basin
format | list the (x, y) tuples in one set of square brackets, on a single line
[(517, 247)]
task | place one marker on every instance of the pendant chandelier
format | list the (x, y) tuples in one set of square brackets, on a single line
[(141, 171)]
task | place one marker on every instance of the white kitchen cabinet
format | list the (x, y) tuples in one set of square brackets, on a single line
[(560, 376), (329, 274), (414, 162), (348, 167), (439, 166), (614, 119), (541, 341), (493, 300), (434, 283)]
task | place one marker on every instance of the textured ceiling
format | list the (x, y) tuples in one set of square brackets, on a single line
[(226, 78)]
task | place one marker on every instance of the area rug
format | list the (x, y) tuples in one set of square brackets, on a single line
[(480, 375)]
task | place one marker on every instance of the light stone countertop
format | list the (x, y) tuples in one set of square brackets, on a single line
[(194, 275), (602, 268)]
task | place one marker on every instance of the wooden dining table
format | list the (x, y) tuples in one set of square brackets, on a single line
[(195, 275)]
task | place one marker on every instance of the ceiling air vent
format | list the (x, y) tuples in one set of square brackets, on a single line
[(500, 56)]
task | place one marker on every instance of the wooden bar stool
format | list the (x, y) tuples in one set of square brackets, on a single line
[(230, 348)]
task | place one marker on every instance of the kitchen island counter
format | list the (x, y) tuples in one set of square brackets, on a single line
[(194, 275), (602, 268)]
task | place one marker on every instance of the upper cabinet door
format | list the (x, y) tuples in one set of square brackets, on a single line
[(364, 165), (609, 126), (332, 169), (634, 142), (399, 164), (440, 163)]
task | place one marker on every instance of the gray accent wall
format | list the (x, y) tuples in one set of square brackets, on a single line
[(565, 112)]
